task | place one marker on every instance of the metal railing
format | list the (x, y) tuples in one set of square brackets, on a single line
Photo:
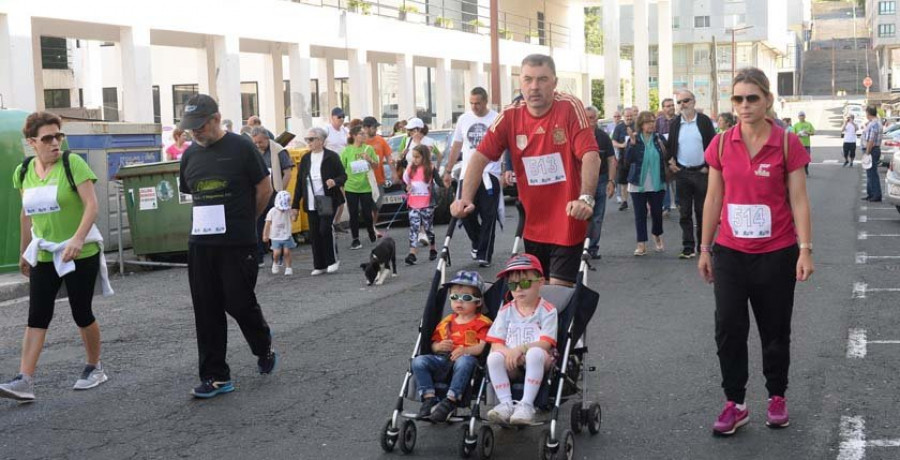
[(462, 15)]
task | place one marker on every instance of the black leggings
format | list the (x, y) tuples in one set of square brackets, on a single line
[(45, 284), (354, 202), (849, 150)]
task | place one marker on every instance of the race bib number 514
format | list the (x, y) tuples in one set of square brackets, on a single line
[(750, 220), (545, 169)]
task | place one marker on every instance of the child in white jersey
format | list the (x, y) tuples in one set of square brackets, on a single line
[(278, 231), (523, 335)]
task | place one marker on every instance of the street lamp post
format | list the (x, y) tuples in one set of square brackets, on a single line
[(733, 46)]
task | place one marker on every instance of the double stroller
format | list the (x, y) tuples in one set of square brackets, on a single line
[(564, 382)]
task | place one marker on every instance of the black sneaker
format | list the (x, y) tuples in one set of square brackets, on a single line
[(432, 254), (411, 259), (267, 364), (623, 206), (355, 245), (687, 254), (443, 411), (426, 408), (210, 388)]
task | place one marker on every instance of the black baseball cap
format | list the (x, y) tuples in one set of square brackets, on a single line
[(337, 112), (197, 111), (370, 122)]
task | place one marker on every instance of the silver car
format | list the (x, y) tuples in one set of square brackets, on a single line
[(891, 193)]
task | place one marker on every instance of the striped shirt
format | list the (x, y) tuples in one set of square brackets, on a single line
[(873, 132)]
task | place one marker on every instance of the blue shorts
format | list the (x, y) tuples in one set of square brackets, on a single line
[(283, 244)]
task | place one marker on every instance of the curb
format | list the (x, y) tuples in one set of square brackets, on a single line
[(13, 288)]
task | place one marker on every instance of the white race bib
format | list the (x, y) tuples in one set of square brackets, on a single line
[(359, 166), (209, 220), (544, 170), (750, 220), (418, 189), (522, 333), (40, 200)]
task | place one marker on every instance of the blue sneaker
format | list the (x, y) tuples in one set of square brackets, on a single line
[(210, 388), (267, 364)]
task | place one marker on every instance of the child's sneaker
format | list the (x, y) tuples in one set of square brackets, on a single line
[(730, 420), (777, 415), (426, 408), (275, 269), (501, 412), (432, 255), (443, 411), (355, 245), (411, 259), (288, 271), (523, 415)]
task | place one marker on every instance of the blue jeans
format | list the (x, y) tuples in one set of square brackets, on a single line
[(428, 368), (873, 180), (654, 199), (596, 225)]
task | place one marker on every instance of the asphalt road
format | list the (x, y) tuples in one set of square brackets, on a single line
[(345, 347)]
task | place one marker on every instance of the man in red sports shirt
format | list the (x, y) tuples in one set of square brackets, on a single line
[(556, 161)]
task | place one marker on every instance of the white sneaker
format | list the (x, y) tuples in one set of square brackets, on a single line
[(317, 272), (334, 267), (523, 415), (501, 412), (275, 269), (288, 271), (91, 377)]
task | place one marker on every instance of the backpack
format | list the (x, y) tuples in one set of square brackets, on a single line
[(784, 144), (66, 166)]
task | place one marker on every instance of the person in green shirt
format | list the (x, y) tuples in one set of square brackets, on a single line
[(804, 129), (59, 216), (359, 159)]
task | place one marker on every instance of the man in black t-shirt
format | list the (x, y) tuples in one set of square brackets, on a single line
[(606, 186), (230, 187), (620, 138)]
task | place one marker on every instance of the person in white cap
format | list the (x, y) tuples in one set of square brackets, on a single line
[(804, 129)]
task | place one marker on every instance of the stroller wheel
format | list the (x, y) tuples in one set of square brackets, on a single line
[(389, 436), (577, 418), (547, 448), (467, 443), (595, 416), (408, 437), (485, 442), (566, 449)]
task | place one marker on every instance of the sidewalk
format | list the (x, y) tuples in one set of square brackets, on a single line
[(12, 286)]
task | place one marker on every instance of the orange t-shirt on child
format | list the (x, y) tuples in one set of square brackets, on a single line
[(463, 335)]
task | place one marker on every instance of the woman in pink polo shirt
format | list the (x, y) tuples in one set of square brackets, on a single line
[(757, 185)]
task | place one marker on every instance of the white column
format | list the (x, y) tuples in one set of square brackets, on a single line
[(372, 71), (331, 99), (641, 62), (506, 85), (226, 73), (137, 86), (39, 73), (586, 89), (210, 67), (475, 76), (301, 118), (664, 48), (92, 74), (628, 93), (610, 56), (360, 102), (443, 86), (277, 86), (406, 97), (575, 22)]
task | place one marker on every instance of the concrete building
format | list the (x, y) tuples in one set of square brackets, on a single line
[(288, 61), (883, 23), (762, 38)]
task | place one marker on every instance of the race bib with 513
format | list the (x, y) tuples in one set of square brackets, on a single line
[(750, 220), (209, 220), (545, 169)]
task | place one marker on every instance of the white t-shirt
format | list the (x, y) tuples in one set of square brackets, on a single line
[(315, 185), (281, 224), (337, 138), (512, 329), (411, 144), (850, 133), (470, 130)]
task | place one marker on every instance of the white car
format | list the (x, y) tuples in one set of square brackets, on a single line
[(891, 191)]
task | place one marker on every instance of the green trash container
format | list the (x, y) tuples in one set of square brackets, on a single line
[(12, 151), (159, 215)]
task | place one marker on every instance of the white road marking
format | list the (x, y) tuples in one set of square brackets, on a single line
[(859, 290), (866, 235), (853, 439), (886, 219), (863, 219), (856, 343), (862, 257)]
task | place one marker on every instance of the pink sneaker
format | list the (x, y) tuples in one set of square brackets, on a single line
[(730, 420), (777, 415)]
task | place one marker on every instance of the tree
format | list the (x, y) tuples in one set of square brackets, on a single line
[(654, 99), (593, 35), (597, 96)]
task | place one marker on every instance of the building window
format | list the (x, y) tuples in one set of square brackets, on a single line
[(701, 56), (744, 55), (541, 25), (679, 82), (701, 22), (287, 101), (342, 85), (887, 7), (886, 30), (676, 22), (314, 109), (654, 82), (54, 54), (723, 56), (80, 97), (180, 96), (653, 56), (249, 100), (57, 98), (110, 104), (157, 111), (679, 56)]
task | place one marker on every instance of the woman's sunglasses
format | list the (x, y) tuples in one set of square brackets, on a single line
[(48, 139), (464, 298), (751, 98), (309, 140), (524, 284)]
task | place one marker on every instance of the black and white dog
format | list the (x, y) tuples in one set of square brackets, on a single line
[(383, 255)]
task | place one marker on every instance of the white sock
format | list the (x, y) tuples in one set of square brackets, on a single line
[(741, 407), (496, 364), (534, 373)]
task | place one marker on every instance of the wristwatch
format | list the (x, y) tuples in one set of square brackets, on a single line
[(807, 246), (587, 199)]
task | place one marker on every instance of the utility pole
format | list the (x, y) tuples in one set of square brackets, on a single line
[(714, 65), (495, 55), (855, 49)]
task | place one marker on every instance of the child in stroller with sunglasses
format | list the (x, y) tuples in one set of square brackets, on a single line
[(522, 338), (457, 342)]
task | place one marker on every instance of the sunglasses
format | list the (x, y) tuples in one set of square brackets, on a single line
[(464, 298), (524, 284), (751, 98), (309, 140), (48, 139), (684, 101), (341, 117)]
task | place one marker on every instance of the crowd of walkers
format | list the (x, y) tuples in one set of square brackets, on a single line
[(740, 189)]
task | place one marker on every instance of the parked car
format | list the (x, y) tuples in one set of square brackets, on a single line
[(891, 193), (890, 145)]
